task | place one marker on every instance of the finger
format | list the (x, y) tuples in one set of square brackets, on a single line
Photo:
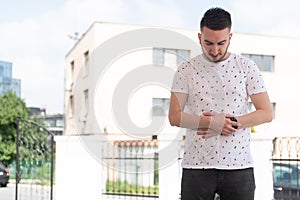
[(201, 132), (209, 135), (235, 125), (228, 115), (228, 130), (207, 113)]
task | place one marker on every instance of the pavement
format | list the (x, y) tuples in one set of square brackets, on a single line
[(25, 192)]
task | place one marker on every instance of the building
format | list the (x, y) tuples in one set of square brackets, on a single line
[(117, 81), (54, 122), (36, 111), (108, 53), (7, 82)]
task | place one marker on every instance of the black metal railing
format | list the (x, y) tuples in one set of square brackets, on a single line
[(34, 161), (132, 169)]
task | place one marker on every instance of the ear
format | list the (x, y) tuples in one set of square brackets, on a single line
[(230, 36), (199, 37)]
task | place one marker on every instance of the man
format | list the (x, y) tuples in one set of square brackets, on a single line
[(209, 97)]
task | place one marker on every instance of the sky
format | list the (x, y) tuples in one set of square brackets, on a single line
[(35, 34)]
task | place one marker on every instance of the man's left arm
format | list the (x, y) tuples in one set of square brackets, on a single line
[(262, 113)]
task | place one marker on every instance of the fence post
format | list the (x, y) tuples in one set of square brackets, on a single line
[(17, 159), (261, 147), (78, 171), (169, 173)]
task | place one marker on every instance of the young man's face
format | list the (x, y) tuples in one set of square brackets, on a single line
[(215, 43)]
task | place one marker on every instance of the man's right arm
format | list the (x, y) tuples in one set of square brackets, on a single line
[(178, 117)]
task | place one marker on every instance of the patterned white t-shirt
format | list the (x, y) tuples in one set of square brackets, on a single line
[(222, 87)]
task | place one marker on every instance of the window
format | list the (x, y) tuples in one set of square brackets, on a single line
[(183, 55), (273, 104), (160, 106), (170, 57), (158, 57), (264, 62), (60, 123), (71, 106), (86, 63), (86, 102), (50, 122), (71, 77), (72, 70)]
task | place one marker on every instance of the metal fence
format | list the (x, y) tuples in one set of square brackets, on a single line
[(286, 168), (131, 169), (34, 161)]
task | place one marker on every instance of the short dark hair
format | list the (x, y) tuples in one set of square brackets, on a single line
[(216, 19)]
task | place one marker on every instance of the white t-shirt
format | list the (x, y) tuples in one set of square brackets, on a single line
[(222, 87)]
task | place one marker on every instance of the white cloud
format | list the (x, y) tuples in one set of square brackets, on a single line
[(37, 46), (36, 50)]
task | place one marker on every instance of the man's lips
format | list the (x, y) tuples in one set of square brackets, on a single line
[(214, 56)]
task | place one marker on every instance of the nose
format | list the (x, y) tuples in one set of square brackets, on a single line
[(214, 50)]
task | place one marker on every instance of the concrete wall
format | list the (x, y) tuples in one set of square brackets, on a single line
[(81, 175), (77, 172)]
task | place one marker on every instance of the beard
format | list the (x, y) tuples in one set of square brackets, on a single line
[(220, 56)]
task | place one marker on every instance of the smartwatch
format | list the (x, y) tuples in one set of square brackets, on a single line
[(235, 120)]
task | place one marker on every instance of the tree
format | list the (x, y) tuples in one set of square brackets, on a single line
[(11, 108)]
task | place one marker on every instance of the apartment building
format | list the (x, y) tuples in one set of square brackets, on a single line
[(114, 77)]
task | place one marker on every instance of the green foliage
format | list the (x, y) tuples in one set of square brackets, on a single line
[(11, 108), (34, 172), (123, 187)]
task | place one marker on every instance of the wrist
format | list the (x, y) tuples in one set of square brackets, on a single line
[(205, 121)]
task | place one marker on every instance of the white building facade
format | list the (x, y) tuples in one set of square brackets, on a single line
[(117, 88)]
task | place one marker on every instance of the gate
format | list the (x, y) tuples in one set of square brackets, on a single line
[(34, 161)]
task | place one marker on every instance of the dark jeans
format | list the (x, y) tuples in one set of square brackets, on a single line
[(203, 184)]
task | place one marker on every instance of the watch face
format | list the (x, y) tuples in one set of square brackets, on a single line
[(235, 120)]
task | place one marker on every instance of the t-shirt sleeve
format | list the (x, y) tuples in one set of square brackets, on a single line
[(255, 82), (180, 83)]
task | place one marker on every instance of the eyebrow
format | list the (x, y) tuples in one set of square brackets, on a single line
[(212, 42)]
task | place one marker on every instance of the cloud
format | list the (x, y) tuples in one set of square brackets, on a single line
[(37, 45), (267, 17), (36, 49)]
